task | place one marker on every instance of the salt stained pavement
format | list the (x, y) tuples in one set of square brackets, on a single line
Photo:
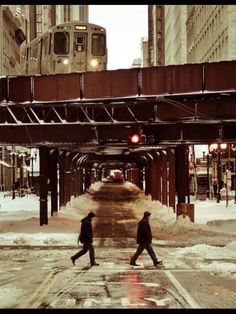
[(19, 224)]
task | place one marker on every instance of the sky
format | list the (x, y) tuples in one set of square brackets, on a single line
[(125, 26), (19, 224)]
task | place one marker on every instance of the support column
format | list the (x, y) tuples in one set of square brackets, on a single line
[(128, 174), (53, 160), (154, 179), (79, 181), (164, 177), (87, 178), (182, 173), (219, 180), (73, 180), (62, 179), (99, 174), (147, 179), (43, 184), (135, 176), (68, 172), (171, 159), (158, 186), (182, 183), (140, 176)]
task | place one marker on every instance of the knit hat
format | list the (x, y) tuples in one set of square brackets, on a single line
[(146, 214), (91, 214)]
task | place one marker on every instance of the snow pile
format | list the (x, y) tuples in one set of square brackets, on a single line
[(210, 251), (83, 203), (162, 215), (211, 210), (19, 222), (39, 239), (227, 225)]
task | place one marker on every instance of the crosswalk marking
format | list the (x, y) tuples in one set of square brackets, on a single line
[(161, 302)]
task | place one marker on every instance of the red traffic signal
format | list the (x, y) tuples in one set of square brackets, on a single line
[(135, 139)]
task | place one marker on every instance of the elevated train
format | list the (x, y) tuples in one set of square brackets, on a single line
[(65, 48)]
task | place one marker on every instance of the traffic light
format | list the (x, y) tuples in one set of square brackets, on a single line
[(135, 138)]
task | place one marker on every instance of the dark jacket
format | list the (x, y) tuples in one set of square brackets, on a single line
[(86, 231), (144, 233)]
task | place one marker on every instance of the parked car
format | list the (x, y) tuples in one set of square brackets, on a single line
[(118, 176)]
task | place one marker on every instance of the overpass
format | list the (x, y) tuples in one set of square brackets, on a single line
[(79, 120)]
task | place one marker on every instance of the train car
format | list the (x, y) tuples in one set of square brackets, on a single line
[(65, 48)]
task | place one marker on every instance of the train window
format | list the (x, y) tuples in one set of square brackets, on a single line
[(61, 42), (80, 40), (98, 44)]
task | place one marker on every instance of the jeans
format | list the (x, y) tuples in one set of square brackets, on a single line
[(140, 249), (86, 247)]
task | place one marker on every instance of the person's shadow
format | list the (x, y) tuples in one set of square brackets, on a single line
[(86, 267)]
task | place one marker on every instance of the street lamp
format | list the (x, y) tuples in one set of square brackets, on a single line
[(20, 164), (217, 150), (33, 158), (19, 160), (206, 157), (1, 171), (208, 177), (13, 157), (233, 147), (226, 187)]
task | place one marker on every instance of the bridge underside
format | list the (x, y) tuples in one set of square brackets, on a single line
[(86, 127), (85, 138), (83, 122)]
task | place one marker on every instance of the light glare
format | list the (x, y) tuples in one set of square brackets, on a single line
[(135, 139)]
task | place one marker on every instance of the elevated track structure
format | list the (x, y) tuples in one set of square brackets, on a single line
[(90, 116)]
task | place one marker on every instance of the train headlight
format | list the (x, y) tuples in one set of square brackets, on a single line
[(65, 61), (94, 62)]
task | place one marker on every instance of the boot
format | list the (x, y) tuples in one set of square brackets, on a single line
[(157, 263), (73, 261)]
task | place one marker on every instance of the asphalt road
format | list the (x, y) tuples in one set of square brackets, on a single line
[(46, 278), (35, 277)]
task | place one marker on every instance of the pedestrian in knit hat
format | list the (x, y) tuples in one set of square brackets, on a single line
[(86, 238), (144, 240)]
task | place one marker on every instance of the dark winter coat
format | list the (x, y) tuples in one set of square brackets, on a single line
[(86, 231), (144, 233)]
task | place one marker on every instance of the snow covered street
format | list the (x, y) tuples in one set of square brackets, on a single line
[(199, 258)]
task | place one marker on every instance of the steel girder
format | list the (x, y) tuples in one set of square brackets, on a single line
[(93, 126)]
